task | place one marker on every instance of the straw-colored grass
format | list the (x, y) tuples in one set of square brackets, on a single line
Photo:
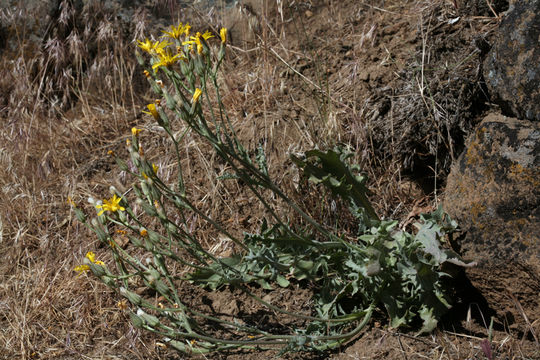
[(294, 78)]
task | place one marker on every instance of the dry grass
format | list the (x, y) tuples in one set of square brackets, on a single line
[(69, 97)]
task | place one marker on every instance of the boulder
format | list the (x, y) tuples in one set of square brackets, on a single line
[(493, 191), (512, 69)]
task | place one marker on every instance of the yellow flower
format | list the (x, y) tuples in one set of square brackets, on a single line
[(71, 202), (196, 40), (81, 268), (135, 131), (146, 45), (196, 95), (143, 232), (207, 35), (166, 58), (152, 111), (153, 48), (111, 205), (187, 28), (175, 31), (223, 35), (92, 257), (122, 304)]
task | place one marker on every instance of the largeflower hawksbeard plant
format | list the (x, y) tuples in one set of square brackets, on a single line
[(376, 267)]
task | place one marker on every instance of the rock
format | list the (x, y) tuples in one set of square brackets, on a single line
[(493, 192), (511, 69)]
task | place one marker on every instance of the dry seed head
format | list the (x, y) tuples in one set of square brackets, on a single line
[(55, 49), (76, 45), (66, 13), (105, 32), (139, 18)]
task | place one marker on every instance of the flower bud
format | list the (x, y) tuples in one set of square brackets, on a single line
[(131, 296), (136, 321), (80, 215)]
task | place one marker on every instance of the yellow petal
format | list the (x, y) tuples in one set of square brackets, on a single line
[(91, 256), (82, 268), (196, 95), (223, 34), (153, 111)]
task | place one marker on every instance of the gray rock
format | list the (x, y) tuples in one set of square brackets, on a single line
[(493, 191), (512, 69)]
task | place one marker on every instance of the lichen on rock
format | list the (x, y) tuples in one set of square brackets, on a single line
[(493, 192)]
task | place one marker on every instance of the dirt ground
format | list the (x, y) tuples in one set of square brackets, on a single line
[(399, 81)]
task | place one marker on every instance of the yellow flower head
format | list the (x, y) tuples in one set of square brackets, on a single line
[(223, 35), (146, 45), (135, 131), (175, 31), (143, 232), (207, 35), (122, 304), (155, 168), (187, 28), (92, 257), (196, 40), (112, 205), (153, 48), (152, 110), (166, 58), (196, 95), (81, 268)]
